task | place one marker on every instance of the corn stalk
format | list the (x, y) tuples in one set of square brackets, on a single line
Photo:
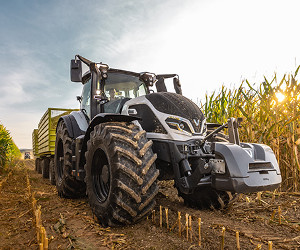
[(8, 149), (266, 119)]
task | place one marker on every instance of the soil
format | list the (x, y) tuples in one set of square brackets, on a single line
[(69, 223)]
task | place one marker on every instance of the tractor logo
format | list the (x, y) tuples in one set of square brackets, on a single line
[(196, 121)]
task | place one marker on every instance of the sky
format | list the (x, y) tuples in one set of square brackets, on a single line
[(208, 43)]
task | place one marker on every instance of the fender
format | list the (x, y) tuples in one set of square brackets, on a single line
[(98, 119), (76, 123)]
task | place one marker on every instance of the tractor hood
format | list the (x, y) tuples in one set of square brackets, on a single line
[(178, 105)]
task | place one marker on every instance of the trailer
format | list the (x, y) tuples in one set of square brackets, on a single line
[(35, 147), (43, 141)]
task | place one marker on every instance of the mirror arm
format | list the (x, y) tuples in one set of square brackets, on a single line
[(84, 60)]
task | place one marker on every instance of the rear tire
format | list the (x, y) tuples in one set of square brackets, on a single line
[(120, 173), (67, 186), (52, 172), (45, 168)]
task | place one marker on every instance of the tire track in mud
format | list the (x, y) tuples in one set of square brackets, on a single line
[(71, 223)]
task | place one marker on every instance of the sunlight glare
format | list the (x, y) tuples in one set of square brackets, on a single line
[(280, 97)]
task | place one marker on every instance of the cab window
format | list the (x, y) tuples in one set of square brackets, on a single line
[(86, 98), (119, 88)]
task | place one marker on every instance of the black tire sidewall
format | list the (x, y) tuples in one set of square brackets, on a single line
[(39, 168), (52, 172), (58, 178), (129, 198), (45, 168), (67, 185), (36, 164), (101, 208)]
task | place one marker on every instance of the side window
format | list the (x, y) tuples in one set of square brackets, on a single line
[(86, 98)]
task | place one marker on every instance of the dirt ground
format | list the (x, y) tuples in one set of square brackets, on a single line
[(70, 223)]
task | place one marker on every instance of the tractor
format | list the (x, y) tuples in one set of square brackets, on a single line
[(130, 132)]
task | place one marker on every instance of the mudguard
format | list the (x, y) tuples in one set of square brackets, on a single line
[(250, 167), (100, 118), (76, 123)]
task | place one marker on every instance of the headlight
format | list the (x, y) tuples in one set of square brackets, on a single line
[(178, 124), (203, 129)]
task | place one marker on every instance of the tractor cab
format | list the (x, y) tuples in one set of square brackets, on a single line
[(112, 88), (118, 89)]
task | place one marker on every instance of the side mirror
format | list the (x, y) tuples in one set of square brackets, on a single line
[(76, 71)]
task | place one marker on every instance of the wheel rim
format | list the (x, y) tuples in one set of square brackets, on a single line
[(60, 159), (100, 175)]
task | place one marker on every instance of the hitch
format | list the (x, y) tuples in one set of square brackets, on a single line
[(232, 124), (233, 132)]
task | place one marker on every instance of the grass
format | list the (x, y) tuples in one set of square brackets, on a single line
[(271, 115)]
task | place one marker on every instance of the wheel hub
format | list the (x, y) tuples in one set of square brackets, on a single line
[(100, 175), (105, 174)]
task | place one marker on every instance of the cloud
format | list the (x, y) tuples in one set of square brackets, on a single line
[(207, 43), (212, 43)]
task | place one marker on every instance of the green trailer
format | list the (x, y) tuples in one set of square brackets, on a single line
[(35, 142), (43, 141)]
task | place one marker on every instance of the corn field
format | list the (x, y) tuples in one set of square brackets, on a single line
[(8, 149), (271, 115)]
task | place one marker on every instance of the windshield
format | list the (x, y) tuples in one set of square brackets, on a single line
[(118, 86)]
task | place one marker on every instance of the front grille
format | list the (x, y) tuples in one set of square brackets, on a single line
[(256, 166)]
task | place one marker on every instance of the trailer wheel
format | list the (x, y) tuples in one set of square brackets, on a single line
[(120, 173), (207, 197), (45, 167), (52, 172), (39, 166), (67, 186), (36, 164)]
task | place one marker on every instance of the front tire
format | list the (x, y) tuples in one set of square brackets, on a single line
[(67, 186), (207, 198), (120, 173)]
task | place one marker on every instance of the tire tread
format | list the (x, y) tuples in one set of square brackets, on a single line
[(133, 185)]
